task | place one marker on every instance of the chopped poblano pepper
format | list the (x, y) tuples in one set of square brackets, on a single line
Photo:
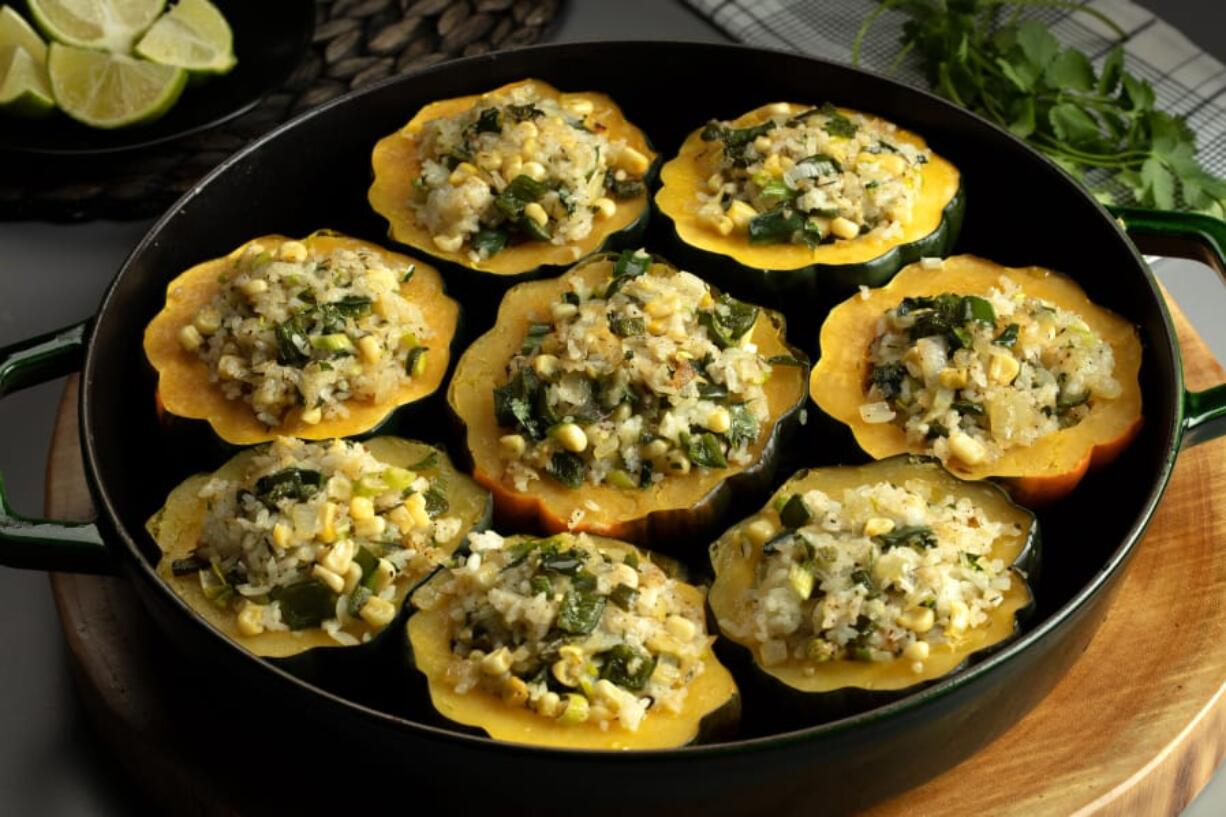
[(292, 483), (624, 596), (580, 612), (704, 450), (626, 666), (775, 226), (919, 537), (1007, 336), (488, 241), (567, 468), (305, 604), (795, 513)]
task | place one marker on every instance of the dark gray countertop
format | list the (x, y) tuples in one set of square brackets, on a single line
[(53, 275)]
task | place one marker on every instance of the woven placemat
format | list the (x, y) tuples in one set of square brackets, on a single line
[(356, 42)]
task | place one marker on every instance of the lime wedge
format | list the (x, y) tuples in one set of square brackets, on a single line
[(192, 35), (110, 90), (14, 30), (112, 25), (23, 84)]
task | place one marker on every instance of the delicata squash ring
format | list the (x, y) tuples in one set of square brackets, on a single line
[(910, 570), (604, 650), (699, 451), (304, 486), (1043, 470), (785, 261), (310, 336), (619, 208)]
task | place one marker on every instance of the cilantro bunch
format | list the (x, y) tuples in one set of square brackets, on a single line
[(1101, 127)]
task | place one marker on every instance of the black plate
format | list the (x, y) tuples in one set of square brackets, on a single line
[(270, 37)]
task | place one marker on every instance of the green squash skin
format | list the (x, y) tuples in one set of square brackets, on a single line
[(686, 531), (806, 294), (356, 671), (413, 698), (774, 706)]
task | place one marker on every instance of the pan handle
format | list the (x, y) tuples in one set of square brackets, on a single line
[(1200, 238), (40, 544)]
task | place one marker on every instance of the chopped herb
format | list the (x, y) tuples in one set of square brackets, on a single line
[(567, 468), (776, 226), (1008, 336), (888, 378), (795, 513), (862, 577), (967, 407), (580, 612), (836, 123), (532, 340), (514, 401), (623, 596), (292, 483), (426, 463), (972, 561), (626, 327), (919, 537), (623, 189), (825, 165), (729, 321), (489, 121), (524, 113), (704, 450), (293, 345), (626, 666), (744, 427), (488, 242), (540, 584), (305, 604), (189, 565), (436, 502)]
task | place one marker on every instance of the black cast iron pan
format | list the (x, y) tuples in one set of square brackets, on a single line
[(314, 173)]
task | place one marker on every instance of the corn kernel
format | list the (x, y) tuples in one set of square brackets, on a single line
[(959, 617), (512, 167), (449, 243), (280, 535), (741, 213), (338, 557), (529, 148), (327, 522), (659, 307), (293, 251), (952, 378), (207, 320), (548, 705), (966, 448), (251, 619), (536, 212), (725, 226), (562, 310), (497, 662), (1003, 368), (515, 692), (527, 129), (369, 348), (416, 505), (377, 612), (762, 144), (190, 338), (844, 228), (361, 507), (919, 620), (894, 165), (335, 582), (312, 416), (917, 651), (372, 528), (605, 207), (678, 463), (534, 171), (571, 437), (681, 628), (715, 183), (385, 571), (719, 420), (489, 160), (759, 531), (772, 166), (655, 448), (545, 365), (513, 444), (633, 161), (877, 525), (352, 576)]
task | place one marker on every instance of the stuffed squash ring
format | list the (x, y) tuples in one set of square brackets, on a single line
[(573, 641), (516, 182), (297, 545), (789, 202), (319, 338), (625, 398), (855, 584), (1000, 372)]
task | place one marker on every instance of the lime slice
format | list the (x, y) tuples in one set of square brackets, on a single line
[(110, 90), (192, 35), (14, 30), (112, 25), (23, 84)]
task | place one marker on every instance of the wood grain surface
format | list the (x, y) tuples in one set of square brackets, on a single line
[(1136, 727)]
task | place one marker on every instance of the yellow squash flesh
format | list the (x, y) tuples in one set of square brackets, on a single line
[(549, 505), (735, 559), (184, 389), (684, 176), (1042, 472), (397, 165), (176, 529), (710, 696)]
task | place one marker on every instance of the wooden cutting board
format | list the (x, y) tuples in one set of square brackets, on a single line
[(1137, 727)]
